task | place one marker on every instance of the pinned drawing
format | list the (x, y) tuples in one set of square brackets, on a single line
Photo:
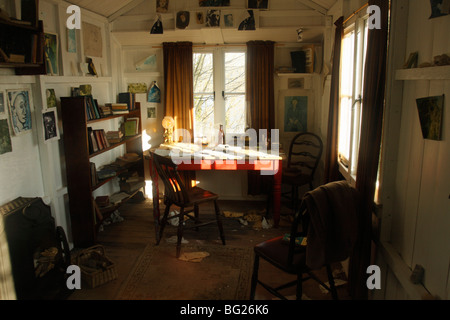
[(147, 63), (430, 115)]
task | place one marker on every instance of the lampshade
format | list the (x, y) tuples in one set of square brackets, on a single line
[(168, 122)]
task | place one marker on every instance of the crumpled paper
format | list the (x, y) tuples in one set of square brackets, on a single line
[(193, 256)]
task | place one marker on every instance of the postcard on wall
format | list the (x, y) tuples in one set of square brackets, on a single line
[(151, 113), (213, 18), (51, 98), (430, 115), (2, 103), (154, 93), (137, 87), (92, 40), (162, 6), (214, 3), (50, 125), (71, 41), (147, 63), (19, 104), (51, 53), (5, 137)]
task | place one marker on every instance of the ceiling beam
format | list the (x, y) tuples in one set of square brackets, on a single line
[(131, 5), (311, 4)]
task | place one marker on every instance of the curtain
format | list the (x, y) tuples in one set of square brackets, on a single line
[(260, 100), (331, 166), (178, 86), (369, 148), (179, 94)]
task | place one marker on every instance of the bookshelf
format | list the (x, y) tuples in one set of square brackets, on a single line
[(85, 216), (22, 41)]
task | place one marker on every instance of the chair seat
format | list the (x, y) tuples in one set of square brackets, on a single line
[(198, 195), (276, 252), (295, 177)]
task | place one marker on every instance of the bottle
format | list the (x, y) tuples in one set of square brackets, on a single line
[(221, 136)]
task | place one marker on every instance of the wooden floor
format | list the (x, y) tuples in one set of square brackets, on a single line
[(125, 241)]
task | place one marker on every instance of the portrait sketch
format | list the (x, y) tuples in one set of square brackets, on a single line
[(295, 113), (430, 115), (213, 18), (151, 113), (51, 98), (162, 6), (49, 124), (19, 103), (258, 4), (214, 3)]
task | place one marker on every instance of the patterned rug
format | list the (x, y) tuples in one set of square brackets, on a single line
[(223, 275)]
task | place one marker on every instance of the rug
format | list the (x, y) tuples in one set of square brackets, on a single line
[(225, 274)]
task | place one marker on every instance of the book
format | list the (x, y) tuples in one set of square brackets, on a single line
[(129, 98), (102, 201), (299, 241), (131, 127)]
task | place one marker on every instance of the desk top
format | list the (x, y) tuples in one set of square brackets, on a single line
[(220, 152)]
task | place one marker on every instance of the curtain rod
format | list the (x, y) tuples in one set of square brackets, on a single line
[(356, 12)]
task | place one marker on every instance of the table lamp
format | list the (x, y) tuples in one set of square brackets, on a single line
[(168, 123)]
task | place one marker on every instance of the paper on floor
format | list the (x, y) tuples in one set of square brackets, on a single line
[(193, 256)]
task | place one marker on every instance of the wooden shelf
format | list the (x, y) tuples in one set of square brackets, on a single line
[(430, 73), (294, 75)]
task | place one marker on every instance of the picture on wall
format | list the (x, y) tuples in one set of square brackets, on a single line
[(214, 3), (5, 137), (295, 113), (439, 8), (19, 103), (92, 40), (51, 53), (249, 22), (51, 98), (213, 18), (228, 20), (154, 93), (258, 4), (2, 103), (151, 113), (162, 6), (430, 115), (49, 121)]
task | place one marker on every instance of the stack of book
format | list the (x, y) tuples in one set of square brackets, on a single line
[(114, 136), (92, 109), (132, 183), (118, 108), (105, 111), (97, 140), (106, 172), (129, 98)]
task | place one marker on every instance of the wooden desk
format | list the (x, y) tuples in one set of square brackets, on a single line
[(196, 157)]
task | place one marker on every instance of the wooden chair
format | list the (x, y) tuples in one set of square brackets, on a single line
[(188, 200), (304, 155), (304, 260)]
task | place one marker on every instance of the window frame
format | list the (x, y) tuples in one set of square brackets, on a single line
[(219, 93), (358, 25)]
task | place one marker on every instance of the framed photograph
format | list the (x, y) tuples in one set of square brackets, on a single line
[(49, 125), (295, 111), (199, 17), (51, 53), (228, 19), (258, 4), (5, 137), (430, 115), (2, 103), (19, 104), (151, 113)]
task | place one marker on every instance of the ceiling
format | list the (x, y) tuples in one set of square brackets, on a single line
[(114, 8)]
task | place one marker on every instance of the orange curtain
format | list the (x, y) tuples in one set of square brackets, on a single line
[(179, 94), (178, 86), (331, 153), (260, 100), (260, 81)]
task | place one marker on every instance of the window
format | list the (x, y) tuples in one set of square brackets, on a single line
[(219, 93), (353, 55)]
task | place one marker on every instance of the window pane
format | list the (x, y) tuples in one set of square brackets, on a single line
[(203, 115), (203, 73), (235, 72), (345, 121), (235, 114)]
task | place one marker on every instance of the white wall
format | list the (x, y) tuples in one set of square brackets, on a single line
[(416, 174)]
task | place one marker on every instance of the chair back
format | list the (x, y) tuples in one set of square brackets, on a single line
[(175, 189), (305, 151)]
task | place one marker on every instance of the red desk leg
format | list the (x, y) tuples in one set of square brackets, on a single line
[(277, 195)]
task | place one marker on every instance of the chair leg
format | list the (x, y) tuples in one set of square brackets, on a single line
[(299, 289), (180, 231), (163, 224), (254, 277), (219, 222), (331, 282)]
